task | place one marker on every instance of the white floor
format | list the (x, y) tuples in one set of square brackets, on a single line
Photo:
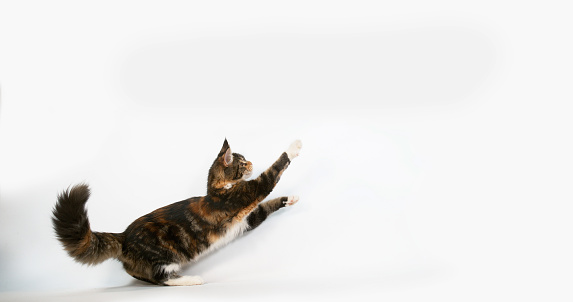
[(437, 144)]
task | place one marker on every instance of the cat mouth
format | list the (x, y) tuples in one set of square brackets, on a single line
[(247, 175)]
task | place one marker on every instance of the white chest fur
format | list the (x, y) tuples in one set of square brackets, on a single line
[(233, 232)]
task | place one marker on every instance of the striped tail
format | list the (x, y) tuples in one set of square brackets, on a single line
[(70, 220)]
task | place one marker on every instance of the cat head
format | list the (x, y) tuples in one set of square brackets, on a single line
[(228, 168)]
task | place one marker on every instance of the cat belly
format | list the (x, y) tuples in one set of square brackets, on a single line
[(219, 241)]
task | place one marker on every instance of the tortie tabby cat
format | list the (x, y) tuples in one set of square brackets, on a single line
[(155, 246)]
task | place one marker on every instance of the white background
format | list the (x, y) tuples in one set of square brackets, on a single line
[(437, 143)]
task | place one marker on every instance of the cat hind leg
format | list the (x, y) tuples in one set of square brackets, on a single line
[(166, 274), (184, 281), (169, 273)]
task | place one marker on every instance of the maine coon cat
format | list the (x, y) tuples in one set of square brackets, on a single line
[(155, 246)]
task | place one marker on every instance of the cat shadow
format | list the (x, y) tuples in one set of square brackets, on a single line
[(134, 285), (133, 289)]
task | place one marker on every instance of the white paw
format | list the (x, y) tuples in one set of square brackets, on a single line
[(185, 281), (294, 149), (291, 200)]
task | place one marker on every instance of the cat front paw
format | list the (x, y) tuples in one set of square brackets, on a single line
[(294, 149), (291, 200)]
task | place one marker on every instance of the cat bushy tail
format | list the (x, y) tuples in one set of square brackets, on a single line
[(70, 220)]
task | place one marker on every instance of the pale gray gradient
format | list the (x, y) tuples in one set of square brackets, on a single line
[(437, 144)]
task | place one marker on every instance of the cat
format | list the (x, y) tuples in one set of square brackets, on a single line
[(154, 247)]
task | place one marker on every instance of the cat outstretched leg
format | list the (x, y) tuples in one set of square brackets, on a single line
[(263, 210), (266, 182), (291, 200), (294, 149)]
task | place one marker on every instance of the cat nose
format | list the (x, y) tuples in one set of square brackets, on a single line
[(249, 165)]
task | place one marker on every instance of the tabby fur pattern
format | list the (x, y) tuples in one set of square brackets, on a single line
[(155, 246)]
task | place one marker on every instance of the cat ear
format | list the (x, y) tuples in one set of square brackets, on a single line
[(226, 153), (224, 148), (228, 158)]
